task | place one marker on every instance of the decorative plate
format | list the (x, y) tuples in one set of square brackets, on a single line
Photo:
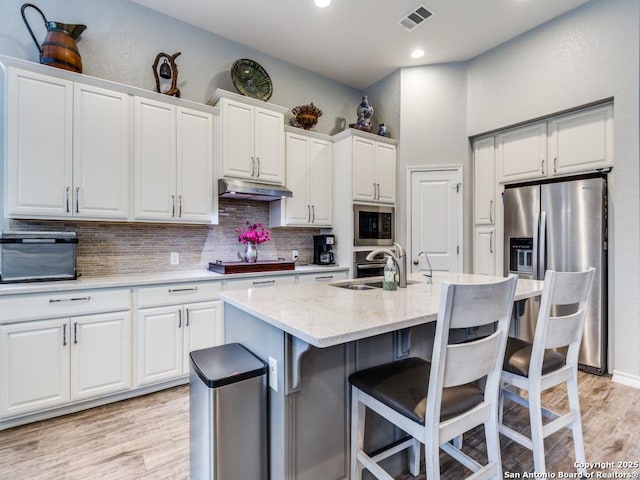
[(251, 80)]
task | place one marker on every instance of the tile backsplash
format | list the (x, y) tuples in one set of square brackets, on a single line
[(112, 248)]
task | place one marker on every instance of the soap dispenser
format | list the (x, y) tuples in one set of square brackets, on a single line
[(390, 282)]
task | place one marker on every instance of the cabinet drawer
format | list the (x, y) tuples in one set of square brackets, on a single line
[(63, 304), (310, 278), (172, 294), (259, 282)]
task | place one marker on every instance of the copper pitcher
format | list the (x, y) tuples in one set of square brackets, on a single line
[(59, 48)]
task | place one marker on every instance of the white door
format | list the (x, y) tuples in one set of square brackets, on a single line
[(100, 354), (298, 207), (203, 328), (155, 160), (39, 144), (159, 344), (386, 172), (237, 141), (101, 152), (194, 165), (269, 145), (364, 169), (319, 180), (34, 366), (436, 219)]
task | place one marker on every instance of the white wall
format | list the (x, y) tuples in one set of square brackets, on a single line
[(123, 38)]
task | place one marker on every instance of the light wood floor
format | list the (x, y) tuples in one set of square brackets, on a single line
[(148, 438)]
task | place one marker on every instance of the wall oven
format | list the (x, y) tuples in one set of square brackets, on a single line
[(364, 268), (373, 225)]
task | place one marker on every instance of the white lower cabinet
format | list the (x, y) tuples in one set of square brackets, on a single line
[(484, 251), (166, 335), (49, 363), (260, 282)]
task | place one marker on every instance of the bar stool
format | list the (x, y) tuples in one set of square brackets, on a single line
[(435, 402), (537, 366)]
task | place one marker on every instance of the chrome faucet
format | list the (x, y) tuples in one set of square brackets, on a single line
[(430, 274), (400, 261)]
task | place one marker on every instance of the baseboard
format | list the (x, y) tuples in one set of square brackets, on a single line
[(626, 379)]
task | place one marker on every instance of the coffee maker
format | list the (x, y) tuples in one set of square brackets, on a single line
[(322, 246)]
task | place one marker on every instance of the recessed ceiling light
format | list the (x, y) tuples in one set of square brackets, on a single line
[(322, 3), (417, 53)]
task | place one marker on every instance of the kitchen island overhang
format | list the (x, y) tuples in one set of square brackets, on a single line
[(313, 338)]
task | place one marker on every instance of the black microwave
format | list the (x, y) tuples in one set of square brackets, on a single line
[(373, 225)]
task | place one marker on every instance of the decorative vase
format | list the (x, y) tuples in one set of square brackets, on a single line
[(251, 252), (365, 110)]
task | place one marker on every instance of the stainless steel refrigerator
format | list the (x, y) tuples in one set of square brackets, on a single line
[(560, 226)]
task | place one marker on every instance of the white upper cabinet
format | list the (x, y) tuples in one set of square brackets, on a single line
[(68, 148), (252, 138), (374, 170), (581, 141), (484, 181), (522, 153), (309, 176), (577, 142), (173, 163)]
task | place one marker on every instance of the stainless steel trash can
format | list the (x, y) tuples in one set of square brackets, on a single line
[(228, 414)]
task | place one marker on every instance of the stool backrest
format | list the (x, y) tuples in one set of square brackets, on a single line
[(563, 291), (464, 306)]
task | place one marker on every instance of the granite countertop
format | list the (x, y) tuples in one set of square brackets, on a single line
[(324, 315), (132, 280)]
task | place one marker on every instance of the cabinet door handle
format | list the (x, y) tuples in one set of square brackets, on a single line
[(67, 199), (542, 170), (263, 282), (313, 214), (173, 205), (179, 318), (75, 332), (253, 166), (308, 213), (77, 199), (64, 334), (72, 299), (183, 289), (555, 164), (186, 317), (324, 277), (180, 205), (258, 161), (491, 242), (491, 211)]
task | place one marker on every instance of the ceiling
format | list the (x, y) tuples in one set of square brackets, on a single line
[(358, 42)]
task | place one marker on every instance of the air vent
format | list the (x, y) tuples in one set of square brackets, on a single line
[(414, 18)]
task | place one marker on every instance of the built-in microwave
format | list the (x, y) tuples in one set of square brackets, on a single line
[(373, 225)]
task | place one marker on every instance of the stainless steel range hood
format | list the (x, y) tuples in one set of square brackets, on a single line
[(248, 190)]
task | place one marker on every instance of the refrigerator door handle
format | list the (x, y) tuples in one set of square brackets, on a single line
[(542, 245)]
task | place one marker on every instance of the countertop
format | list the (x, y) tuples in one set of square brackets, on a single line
[(132, 280), (325, 315)]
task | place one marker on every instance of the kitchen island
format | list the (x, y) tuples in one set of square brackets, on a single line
[(313, 338)]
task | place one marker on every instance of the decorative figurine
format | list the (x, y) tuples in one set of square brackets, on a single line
[(168, 71), (59, 48), (365, 112), (382, 130)]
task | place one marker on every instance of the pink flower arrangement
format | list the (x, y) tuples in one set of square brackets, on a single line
[(253, 233)]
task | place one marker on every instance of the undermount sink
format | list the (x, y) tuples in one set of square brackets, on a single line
[(360, 285)]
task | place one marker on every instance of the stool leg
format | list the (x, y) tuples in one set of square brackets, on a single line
[(358, 411), (492, 438), (576, 427), (414, 458), (537, 439)]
